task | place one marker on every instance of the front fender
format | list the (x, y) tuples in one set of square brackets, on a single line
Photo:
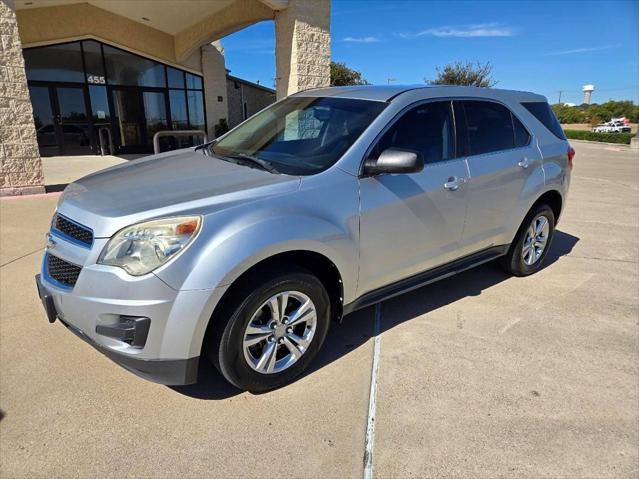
[(225, 254)]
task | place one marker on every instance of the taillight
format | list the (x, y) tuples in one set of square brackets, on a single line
[(571, 155)]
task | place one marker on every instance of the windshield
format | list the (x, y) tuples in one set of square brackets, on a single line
[(300, 135)]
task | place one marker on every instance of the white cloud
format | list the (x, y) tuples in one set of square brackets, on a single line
[(583, 50), (362, 39), (465, 31)]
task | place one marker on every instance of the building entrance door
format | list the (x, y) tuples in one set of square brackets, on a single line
[(139, 113), (61, 119)]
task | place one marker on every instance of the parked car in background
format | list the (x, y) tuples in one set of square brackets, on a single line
[(244, 249), (616, 125)]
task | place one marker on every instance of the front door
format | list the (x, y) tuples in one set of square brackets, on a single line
[(411, 223), (61, 119), (138, 115)]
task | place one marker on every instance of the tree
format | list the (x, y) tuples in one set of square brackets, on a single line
[(569, 114), (466, 74), (597, 113), (341, 75)]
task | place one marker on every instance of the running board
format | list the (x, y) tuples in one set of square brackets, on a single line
[(426, 277)]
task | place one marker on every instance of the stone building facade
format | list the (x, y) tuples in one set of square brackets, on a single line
[(178, 34), (20, 164), (245, 99)]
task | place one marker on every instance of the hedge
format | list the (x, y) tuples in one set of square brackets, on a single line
[(623, 138)]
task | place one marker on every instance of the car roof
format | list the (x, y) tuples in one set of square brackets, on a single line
[(388, 92)]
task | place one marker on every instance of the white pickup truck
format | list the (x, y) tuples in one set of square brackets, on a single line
[(615, 125)]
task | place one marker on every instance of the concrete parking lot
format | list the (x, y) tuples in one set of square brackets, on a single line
[(480, 375)]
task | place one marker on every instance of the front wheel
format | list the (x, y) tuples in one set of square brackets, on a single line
[(532, 243), (274, 332)]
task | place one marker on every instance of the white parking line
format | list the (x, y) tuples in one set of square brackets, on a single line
[(370, 428)]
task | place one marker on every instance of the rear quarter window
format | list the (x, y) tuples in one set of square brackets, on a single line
[(542, 111), (522, 137)]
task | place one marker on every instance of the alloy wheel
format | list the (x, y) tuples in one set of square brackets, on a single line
[(279, 332), (535, 240)]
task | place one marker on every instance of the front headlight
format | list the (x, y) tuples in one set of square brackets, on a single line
[(143, 247)]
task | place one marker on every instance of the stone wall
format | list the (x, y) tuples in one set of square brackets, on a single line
[(20, 165), (303, 48), (214, 71)]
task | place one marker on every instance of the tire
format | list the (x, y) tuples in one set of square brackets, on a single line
[(245, 367), (519, 262)]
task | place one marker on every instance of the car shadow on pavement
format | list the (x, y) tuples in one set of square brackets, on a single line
[(357, 328), (210, 384)]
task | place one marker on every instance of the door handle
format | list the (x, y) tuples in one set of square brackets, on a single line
[(454, 183), (524, 163)]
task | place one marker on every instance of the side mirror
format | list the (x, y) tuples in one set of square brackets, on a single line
[(394, 160)]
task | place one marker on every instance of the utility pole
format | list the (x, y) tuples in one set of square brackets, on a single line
[(559, 101)]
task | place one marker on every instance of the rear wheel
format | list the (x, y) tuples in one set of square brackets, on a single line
[(532, 243), (274, 332)]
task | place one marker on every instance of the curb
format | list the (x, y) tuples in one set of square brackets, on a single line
[(599, 143)]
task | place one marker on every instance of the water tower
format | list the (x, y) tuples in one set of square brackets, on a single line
[(588, 89)]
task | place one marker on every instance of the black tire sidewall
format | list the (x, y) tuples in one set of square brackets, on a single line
[(231, 361), (516, 263)]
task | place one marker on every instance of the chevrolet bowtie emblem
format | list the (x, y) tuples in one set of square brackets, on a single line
[(51, 244)]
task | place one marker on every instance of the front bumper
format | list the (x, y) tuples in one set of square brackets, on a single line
[(172, 340), (174, 372)]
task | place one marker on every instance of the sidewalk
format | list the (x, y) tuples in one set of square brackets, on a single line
[(59, 171)]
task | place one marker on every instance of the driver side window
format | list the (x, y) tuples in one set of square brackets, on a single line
[(426, 129)]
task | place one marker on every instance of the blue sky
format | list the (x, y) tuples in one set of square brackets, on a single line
[(541, 46)]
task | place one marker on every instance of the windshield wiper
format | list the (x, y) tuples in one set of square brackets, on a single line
[(206, 147), (253, 160)]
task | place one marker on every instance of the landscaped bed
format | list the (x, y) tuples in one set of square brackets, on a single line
[(622, 138)]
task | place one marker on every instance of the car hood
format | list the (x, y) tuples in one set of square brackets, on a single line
[(161, 185)]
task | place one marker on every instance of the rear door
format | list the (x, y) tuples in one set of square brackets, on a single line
[(413, 222), (501, 156)]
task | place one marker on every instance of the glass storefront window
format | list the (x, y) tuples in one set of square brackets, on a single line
[(124, 68), (179, 120), (131, 97), (196, 109), (176, 77), (54, 63), (193, 82), (93, 62), (154, 112), (99, 105)]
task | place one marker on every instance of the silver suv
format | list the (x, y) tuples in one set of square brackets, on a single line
[(244, 249)]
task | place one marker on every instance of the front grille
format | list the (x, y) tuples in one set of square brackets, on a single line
[(62, 271), (74, 230)]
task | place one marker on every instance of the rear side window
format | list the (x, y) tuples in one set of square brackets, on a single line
[(542, 111), (522, 137), (489, 127), (427, 129)]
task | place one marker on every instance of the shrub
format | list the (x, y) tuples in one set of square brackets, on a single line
[(623, 138), (220, 127)]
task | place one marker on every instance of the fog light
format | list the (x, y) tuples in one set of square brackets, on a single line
[(128, 329)]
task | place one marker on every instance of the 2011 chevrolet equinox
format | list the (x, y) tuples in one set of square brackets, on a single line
[(330, 200)]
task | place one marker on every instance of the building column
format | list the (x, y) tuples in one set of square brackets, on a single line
[(214, 71), (21, 168), (302, 46)]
